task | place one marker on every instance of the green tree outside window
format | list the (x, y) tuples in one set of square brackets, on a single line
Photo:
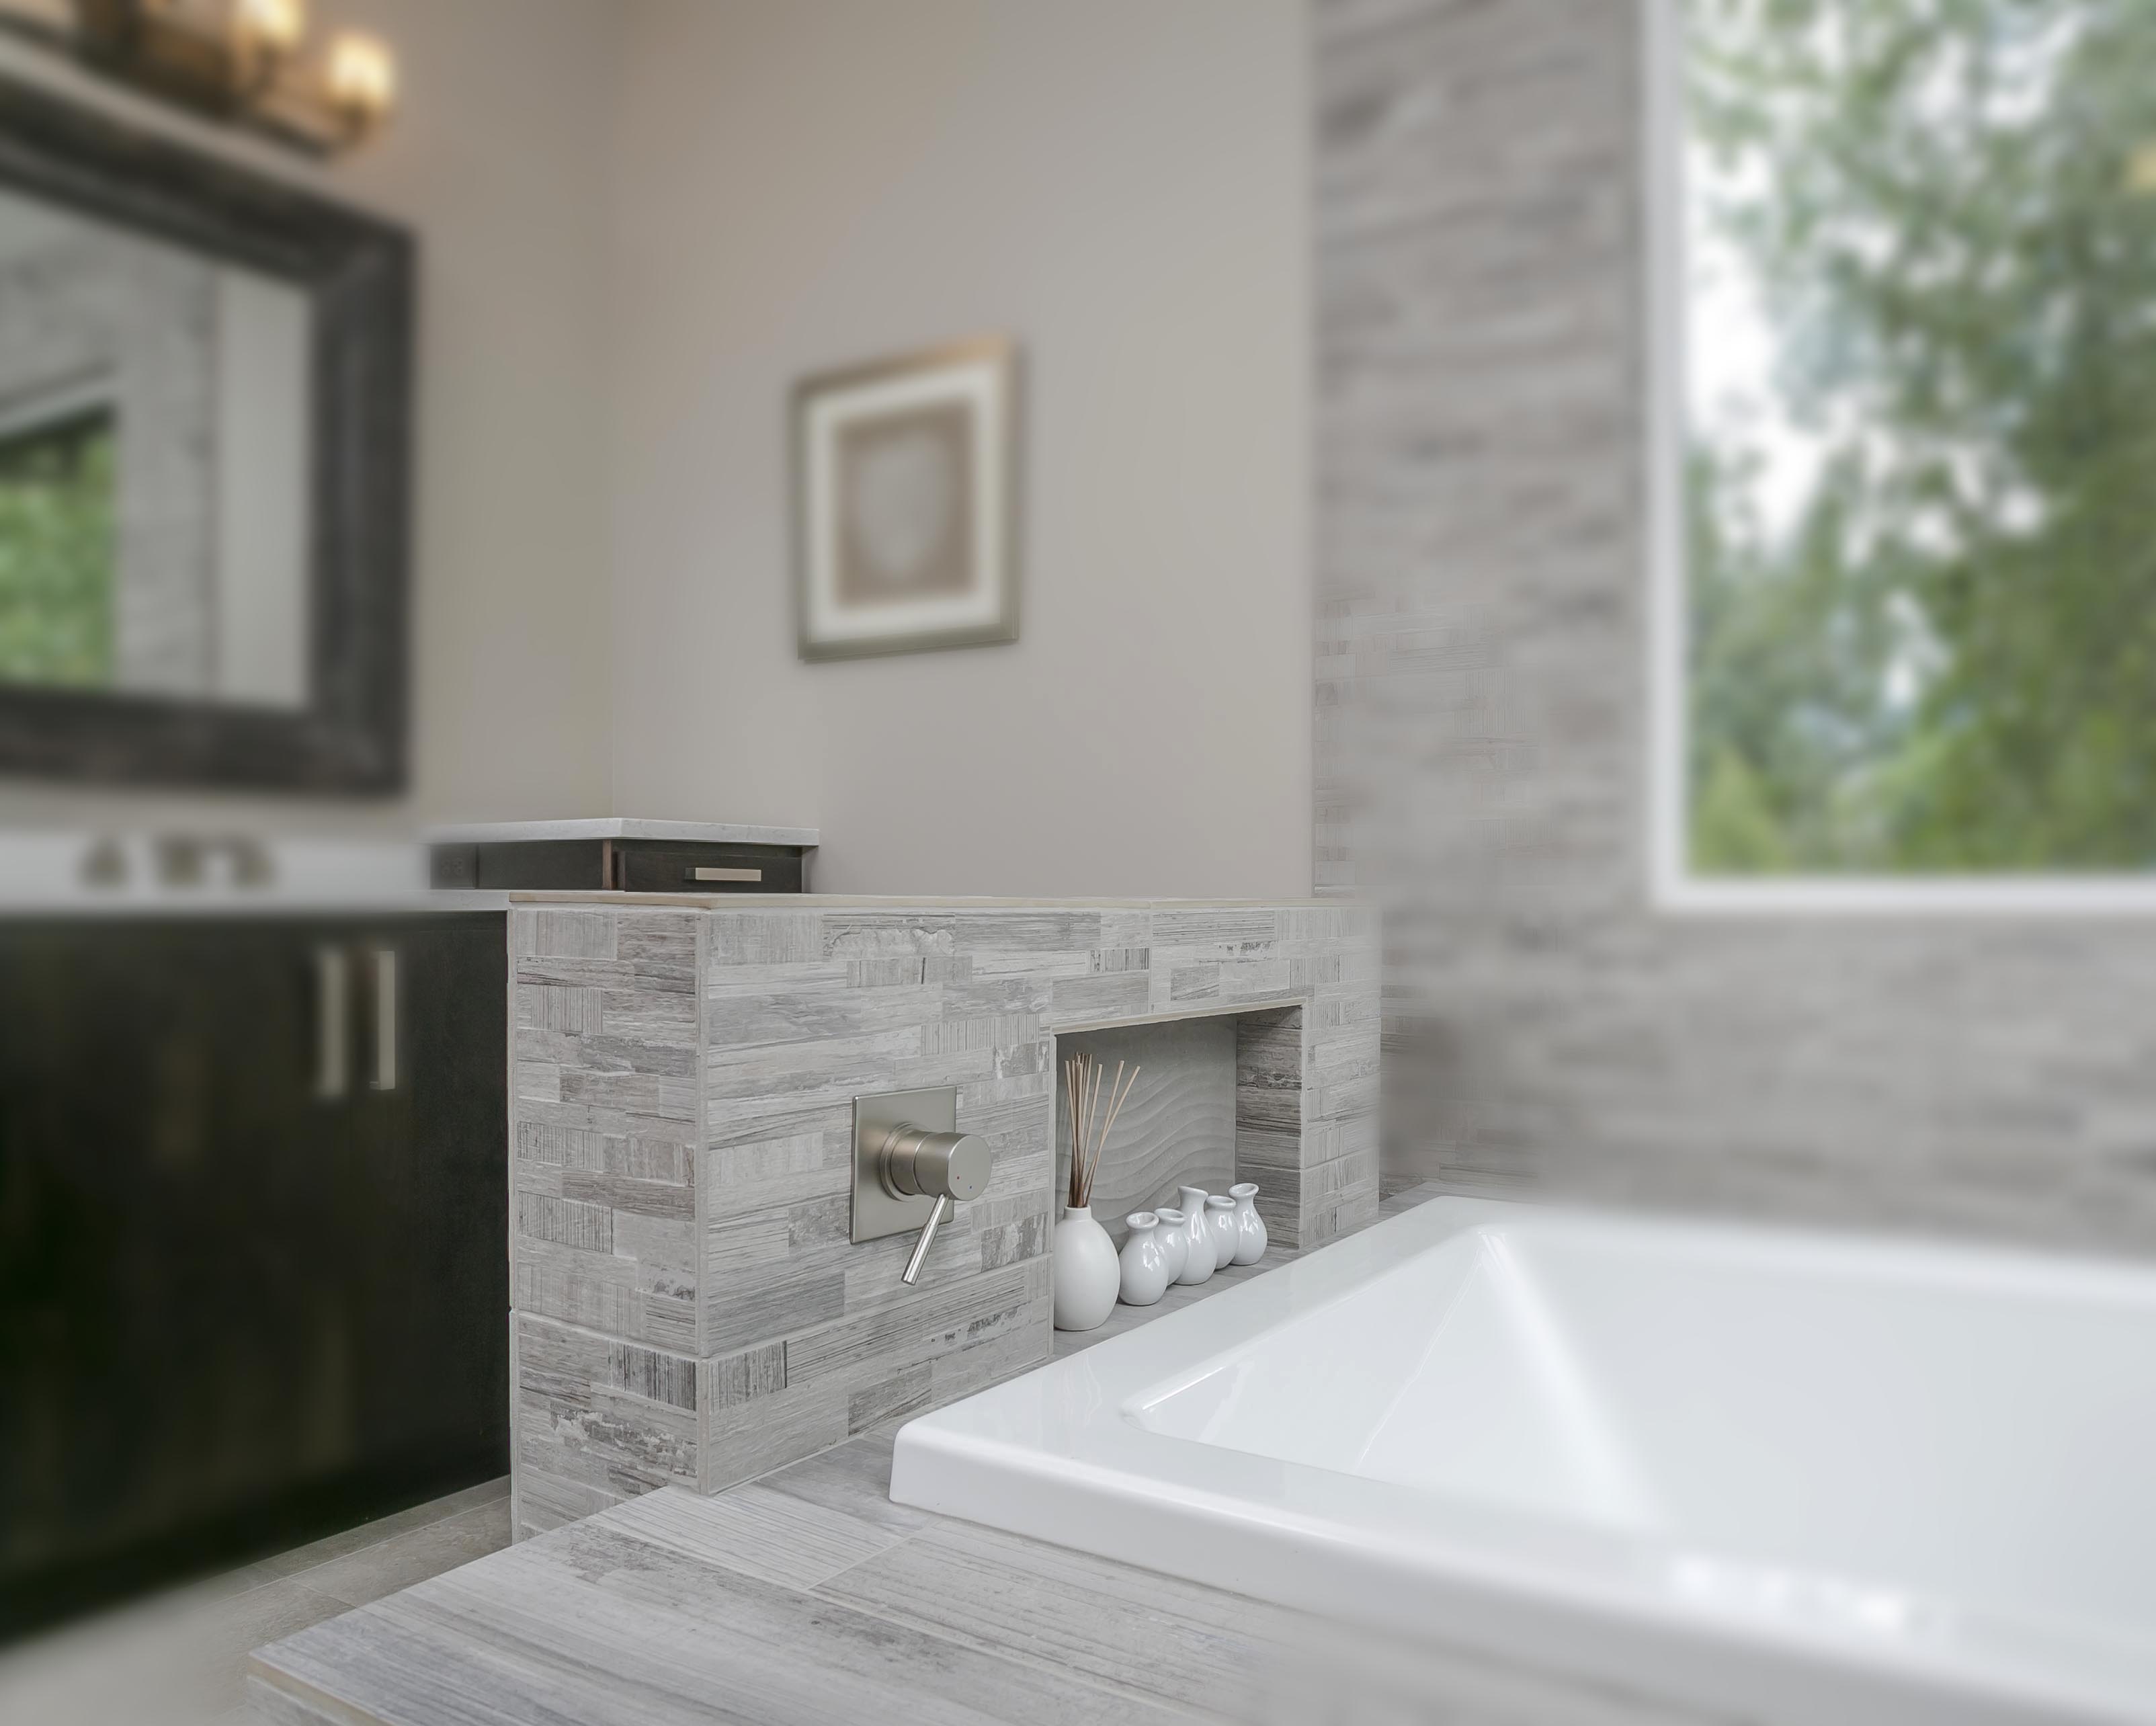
[(1921, 556), (57, 553)]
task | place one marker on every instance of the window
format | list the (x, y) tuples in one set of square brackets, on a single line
[(57, 546), (1908, 557)]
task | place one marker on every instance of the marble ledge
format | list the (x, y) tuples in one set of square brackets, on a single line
[(626, 827), (901, 902)]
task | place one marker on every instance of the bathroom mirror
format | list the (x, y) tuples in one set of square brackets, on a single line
[(204, 382)]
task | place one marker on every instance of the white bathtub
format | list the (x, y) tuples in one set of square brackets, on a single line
[(1787, 1477)]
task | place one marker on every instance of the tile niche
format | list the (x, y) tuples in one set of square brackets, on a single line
[(1218, 1099)]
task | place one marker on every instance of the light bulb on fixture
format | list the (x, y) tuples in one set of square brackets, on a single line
[(272, 26), (362, 77)]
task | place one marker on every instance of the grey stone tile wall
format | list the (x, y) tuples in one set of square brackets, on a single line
[(689, 1308), (1483, 699)]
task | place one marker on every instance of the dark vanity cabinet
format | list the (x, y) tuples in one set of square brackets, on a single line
[(252, 1238)]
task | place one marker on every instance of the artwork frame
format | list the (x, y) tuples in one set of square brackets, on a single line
[(906, 501)]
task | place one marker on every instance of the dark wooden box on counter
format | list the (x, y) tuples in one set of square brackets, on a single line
[(622, 855)]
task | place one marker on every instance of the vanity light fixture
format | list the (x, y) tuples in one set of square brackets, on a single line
[(362, 79), (242, 61)]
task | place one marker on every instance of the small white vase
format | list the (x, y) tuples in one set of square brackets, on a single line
[(1085, 1273), (1251, 1237), (1220, 1224), (1146, 1275), (1174, 1239), (1198, 1259)]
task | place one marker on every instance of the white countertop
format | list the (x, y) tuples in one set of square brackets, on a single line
[(47, 874), (248, 904), (620, 827)]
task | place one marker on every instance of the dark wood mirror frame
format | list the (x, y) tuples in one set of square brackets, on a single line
[(357, 272)]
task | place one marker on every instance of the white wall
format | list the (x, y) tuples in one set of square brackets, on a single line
[(498, 157), (1122, 185)]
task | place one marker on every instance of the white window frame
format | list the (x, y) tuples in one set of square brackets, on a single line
[(1672, 887)]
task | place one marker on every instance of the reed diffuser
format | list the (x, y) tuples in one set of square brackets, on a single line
[(1086, 1272), (1082, 1074)]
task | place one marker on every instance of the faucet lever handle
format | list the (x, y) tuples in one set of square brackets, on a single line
[(912, 1271)]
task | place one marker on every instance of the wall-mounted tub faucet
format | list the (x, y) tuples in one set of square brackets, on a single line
[(916, 1162), (910, 1163)]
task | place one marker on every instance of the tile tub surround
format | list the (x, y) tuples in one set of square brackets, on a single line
[(688, 1309)]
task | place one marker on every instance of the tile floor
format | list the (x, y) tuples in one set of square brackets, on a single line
[(176, 1660)]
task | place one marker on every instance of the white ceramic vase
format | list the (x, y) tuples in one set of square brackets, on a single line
[(1198, 1259), (1220, 1224), (1174, 1239), (1086, 1274), (1251, 1237), (1146, 1275)]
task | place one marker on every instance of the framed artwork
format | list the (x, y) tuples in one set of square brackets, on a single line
[(906, 502)]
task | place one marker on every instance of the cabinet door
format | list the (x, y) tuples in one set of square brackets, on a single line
[(245, 1298), (425, 1244), (161, 1157)]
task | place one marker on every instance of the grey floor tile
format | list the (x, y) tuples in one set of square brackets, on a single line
[(371, 1533), (176, 1662), (593, 1625), (383, 1567), (1143, 1635), (176, 1659), (777, 1536), (854, 1479)]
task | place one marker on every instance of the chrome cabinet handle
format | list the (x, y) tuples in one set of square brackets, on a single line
[(385, 1019), (704, 872), (332, 1028)]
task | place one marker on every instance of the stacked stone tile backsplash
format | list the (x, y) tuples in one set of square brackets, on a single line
[(689, 1307)]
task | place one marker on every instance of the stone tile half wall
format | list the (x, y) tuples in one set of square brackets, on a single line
[(689, 1308)]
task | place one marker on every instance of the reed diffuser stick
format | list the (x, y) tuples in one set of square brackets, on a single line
[(1082, 1085), (1091, 1114), (1093, 1146), (1085, 1083), (1119, 1093), (1074, 1089)]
